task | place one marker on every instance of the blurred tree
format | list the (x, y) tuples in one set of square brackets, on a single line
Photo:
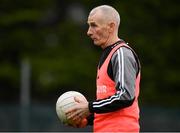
[(63, 58)]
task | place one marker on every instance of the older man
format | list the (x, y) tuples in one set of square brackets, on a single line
[(118, 77)]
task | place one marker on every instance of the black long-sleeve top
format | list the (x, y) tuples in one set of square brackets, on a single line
[(122, 69)]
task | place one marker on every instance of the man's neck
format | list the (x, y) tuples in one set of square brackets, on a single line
[(111, 41)]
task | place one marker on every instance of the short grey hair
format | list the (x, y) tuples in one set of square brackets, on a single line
[(108, 12)]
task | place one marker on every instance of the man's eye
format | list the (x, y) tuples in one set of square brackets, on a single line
[(93, 25)]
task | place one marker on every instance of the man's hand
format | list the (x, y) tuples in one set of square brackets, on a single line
[(78, 113), (81, 123)]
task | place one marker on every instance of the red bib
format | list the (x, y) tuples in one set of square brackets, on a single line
[(123, 120)]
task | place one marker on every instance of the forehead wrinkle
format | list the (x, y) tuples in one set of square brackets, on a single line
[(97, 17)]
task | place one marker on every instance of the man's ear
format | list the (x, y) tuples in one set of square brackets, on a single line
[(111, 27)]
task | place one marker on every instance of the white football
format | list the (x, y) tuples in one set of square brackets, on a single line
[(64, 102)]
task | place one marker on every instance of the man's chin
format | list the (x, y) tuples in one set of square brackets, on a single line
[(96, 43)]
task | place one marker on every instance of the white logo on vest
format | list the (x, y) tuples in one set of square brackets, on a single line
[(101, 89)]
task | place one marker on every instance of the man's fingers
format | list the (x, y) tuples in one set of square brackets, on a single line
[(69, 111), (74, 107), (75, 115), (71, 116)]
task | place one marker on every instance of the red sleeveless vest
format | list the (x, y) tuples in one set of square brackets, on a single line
[(123, 120)]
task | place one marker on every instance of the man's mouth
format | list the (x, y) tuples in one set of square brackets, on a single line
[(94, 39)]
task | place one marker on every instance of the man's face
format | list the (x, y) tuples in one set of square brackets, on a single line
[(98, 29)]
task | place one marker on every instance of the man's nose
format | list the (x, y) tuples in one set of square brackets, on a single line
[(89, 33)]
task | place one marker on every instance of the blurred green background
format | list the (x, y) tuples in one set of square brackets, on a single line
[(44, 49)]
